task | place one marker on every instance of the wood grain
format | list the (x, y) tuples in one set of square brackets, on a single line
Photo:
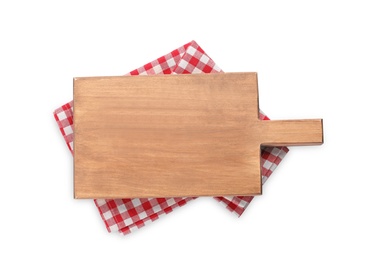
[(174, 135)]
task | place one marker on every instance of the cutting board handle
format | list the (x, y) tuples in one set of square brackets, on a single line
[(292, 132)]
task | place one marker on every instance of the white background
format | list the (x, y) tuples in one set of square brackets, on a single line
[(311, 59)]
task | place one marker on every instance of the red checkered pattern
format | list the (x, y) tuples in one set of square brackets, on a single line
[(125, 215), (64, 118)]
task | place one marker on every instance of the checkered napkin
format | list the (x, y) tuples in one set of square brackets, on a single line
[(126, 215)]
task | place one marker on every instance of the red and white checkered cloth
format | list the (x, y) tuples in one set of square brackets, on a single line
[(125, 215)]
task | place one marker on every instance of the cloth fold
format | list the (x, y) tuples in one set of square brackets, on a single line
[(126, 215)]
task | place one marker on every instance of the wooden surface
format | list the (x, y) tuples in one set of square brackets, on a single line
[(174, 135)]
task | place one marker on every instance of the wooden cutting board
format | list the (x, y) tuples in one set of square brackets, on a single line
[(174, 135)]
